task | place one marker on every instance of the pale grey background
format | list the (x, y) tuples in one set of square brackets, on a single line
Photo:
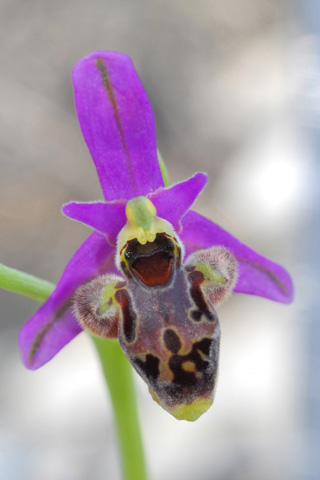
[(234, 87)]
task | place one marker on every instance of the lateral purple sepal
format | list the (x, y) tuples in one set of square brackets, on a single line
[(117, 123), (53, 325), (257, 275)]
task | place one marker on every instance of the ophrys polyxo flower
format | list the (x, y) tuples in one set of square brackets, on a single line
[(175, 264)]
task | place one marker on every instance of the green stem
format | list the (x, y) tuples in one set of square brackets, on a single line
[(118, 374), (116, 369), (24, 284)]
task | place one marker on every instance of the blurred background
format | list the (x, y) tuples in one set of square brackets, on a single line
[(235, 89)]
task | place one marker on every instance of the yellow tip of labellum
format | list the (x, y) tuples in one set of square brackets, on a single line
[(193, 411)]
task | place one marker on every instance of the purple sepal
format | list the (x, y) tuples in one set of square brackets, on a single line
[(117, 123), (53, 325), (257, 275)]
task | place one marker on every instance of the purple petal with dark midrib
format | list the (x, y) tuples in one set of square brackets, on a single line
[(173, 202), (54, 324), (107, 218), (117, 123), (257, 275)]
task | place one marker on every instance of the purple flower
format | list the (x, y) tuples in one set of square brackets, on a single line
[(117, 123)]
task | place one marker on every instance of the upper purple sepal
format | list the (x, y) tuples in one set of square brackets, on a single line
[(117, 123)]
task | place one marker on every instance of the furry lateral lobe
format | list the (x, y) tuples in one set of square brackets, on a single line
[(95, 306), (220, 272)]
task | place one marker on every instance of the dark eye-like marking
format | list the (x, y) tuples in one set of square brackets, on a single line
[(181, 376), (204, 346), (150, 368), (179, 364), (171, 340), (129, 316), (196, 278)]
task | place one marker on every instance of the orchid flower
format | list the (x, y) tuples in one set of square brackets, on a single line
[(152, 271)]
